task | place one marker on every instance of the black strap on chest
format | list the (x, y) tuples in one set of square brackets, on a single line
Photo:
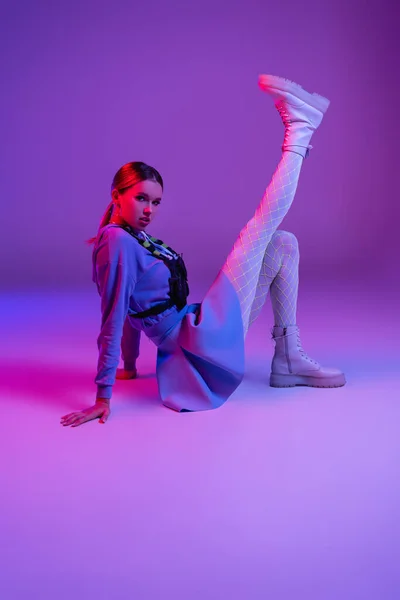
[(178, 284)]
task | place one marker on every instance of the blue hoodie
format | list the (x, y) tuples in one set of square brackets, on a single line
[(129, 280)]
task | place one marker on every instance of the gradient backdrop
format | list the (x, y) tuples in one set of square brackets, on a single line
[(89, 86), (280, 494)]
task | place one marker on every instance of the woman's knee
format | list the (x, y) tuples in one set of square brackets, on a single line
[(285, 238)]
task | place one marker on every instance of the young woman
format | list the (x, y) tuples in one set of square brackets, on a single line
[(142, 284)]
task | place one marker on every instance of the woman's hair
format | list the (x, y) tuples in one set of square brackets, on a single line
[(124, 178)]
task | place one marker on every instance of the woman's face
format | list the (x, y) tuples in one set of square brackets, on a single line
[(138, 205)]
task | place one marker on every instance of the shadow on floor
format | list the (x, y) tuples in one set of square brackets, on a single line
[(68, 387)]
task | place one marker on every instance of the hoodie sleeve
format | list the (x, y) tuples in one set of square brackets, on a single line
[(116, 283)]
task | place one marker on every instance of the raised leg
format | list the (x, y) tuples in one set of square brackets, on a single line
[(243, 264), (301, 113)]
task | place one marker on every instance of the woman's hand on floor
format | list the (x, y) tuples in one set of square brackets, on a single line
[(100, 410), (122, 374)]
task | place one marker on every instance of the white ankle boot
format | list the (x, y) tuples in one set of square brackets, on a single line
[(291, 366), (301, 111)]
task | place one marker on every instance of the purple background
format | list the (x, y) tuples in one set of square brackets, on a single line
[(281, 494), (90, 86)]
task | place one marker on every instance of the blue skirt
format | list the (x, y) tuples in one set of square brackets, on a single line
[(200, 358)]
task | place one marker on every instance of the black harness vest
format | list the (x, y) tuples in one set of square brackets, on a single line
[(178, 284)]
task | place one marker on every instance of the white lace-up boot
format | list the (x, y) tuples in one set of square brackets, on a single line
[(300, 110), (291, 366)]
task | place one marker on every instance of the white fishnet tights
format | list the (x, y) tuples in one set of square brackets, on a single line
[(279, 274), (244, 263)]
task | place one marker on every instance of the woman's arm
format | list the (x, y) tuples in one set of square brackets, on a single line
[(115, 275), (130, 345), (116, 287), (116, 283)]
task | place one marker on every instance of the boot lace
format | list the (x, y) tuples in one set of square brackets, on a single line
[(296, 332), (282, 110), (287, 121), (302, 351)]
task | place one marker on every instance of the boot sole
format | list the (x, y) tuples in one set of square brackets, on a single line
[(285, 85), (282, 381)]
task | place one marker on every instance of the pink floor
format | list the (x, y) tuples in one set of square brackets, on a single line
[(281, 494)]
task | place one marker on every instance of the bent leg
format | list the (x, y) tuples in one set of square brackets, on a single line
[(280, 275), (291, 365)]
